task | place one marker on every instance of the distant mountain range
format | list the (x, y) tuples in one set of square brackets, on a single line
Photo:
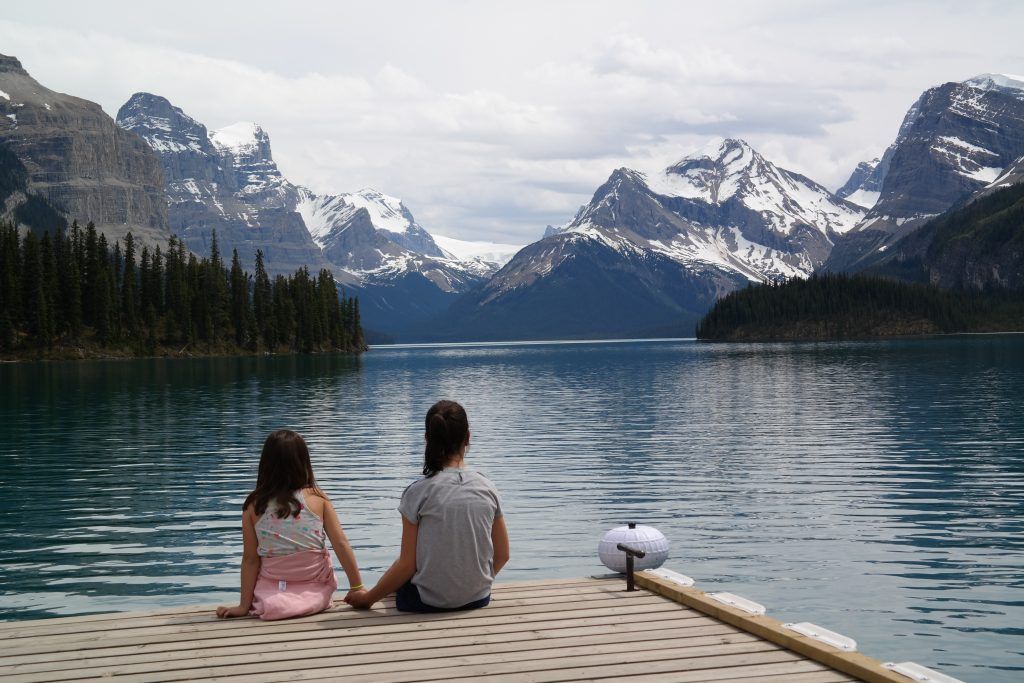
[(663, 247), (227, 181), (647, 255), (651, 253)]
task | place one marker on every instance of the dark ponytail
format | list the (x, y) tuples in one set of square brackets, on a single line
[(447, 429)]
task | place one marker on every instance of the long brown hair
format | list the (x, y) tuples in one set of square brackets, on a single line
[(284, 469), (447, 429)]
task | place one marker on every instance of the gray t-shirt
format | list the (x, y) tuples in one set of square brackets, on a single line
[(454, 511)]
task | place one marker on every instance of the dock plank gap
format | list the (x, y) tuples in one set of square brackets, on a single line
[(558, 630)]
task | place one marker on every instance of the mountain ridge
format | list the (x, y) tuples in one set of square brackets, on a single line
[(79, 160), (955, 139), (675, 240)]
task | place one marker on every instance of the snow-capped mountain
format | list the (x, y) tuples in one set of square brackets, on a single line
[(956, 139), (375, 235), (725, 206), (326, 215), (225, 181), (652, 251)]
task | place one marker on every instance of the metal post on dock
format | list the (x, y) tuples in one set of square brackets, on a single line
[(630, 554)]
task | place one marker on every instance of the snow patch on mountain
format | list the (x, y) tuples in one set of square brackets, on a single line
[(488, 252), (388, 213), (865, 198), (731, 169), (722, 209), (321, 213), (967, 158), (998, 82), (240, 138)]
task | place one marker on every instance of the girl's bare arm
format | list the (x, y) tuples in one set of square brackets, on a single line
[(499, 539), (400, 571), (342, 549), (250, 568)]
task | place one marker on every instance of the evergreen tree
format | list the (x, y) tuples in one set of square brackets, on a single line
[(215, 287), (73, 285), (284, 313), (50, 289), (129, 311), (34, 302), (239, 300), (10, 285), (90, 274), (262, 298)]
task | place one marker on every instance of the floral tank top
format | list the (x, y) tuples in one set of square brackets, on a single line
[(283, 536)]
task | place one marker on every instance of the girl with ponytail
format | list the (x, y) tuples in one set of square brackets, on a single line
[(454, 539)]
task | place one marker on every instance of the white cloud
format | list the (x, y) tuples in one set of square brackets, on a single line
[(493, 121)]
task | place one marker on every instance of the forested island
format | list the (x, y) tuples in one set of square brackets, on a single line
[(73, 295), (840, 306)]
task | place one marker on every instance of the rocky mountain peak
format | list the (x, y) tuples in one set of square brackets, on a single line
[(730, 173), (729, 153), (715, 173), (1010, 84), (165, 127), (245, 141), (956, 139), (329, 215), (864, 184), (10, 64)]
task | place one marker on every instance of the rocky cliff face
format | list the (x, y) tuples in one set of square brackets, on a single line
[(227, 182), (955, 140), (21, 206), (80, 160)]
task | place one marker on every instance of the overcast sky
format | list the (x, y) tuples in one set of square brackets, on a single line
[(491, 121)]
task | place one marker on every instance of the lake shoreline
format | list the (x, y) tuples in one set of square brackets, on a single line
[(78, 353), (874, 338)]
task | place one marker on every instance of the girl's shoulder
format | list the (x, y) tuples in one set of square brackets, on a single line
[(315, 500), (313, 493)]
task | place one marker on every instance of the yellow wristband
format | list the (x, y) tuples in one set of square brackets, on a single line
[(355, 588)]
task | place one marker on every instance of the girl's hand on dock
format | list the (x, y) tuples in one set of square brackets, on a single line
[(359, 599), (236, 611)]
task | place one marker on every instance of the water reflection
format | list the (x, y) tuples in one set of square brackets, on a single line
[(877, 489)]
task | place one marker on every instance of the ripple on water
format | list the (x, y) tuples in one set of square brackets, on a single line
[(877, 488)]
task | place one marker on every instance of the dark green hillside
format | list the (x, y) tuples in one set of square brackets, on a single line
[(979, 245), (838, 306)]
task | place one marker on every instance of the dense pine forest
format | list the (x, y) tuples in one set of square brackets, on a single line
[(74, 295), (838, 306)]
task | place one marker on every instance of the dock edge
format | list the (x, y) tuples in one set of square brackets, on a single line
[(852, 663)]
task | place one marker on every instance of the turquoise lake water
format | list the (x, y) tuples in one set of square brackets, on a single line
[(876, 489)]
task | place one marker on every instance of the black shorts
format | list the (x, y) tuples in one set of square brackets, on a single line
[(407, 599)]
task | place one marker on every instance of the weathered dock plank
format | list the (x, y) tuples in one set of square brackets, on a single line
[(561, 630)]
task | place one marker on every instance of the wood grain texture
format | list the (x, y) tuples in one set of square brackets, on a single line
[(539, 631)]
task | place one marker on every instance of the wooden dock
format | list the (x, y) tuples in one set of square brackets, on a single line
[(562, 630)]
